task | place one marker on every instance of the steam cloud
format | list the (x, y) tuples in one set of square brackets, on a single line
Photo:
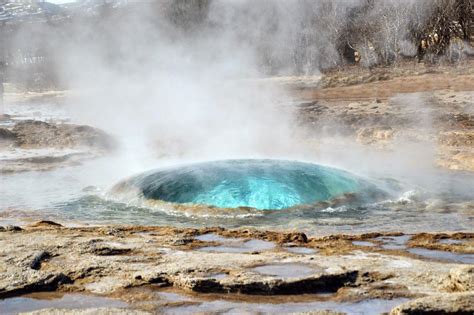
[(177, 78)]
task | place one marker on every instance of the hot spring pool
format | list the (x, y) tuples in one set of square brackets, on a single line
[(94, 193), (258, 184)]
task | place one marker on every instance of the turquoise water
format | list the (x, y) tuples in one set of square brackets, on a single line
[(259, 184), (381, 203)]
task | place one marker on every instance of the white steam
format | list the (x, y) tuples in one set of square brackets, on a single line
[(177, 79)]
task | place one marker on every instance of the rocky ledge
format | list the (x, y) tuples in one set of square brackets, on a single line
[(38, 145), (428, 272)]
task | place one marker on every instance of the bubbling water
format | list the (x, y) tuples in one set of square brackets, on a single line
[(258, 184)]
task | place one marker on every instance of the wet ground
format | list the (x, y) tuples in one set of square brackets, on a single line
[(38, 301), (226, 306), (182, 303), (169, 270)]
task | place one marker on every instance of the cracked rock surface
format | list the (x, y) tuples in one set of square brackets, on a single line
[(115, 260)]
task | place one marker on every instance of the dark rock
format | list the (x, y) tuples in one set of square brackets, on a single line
[(298, 237), (13, 228), (49, 282), (38, 259), (321, 284), (6, 134), (109, 251)]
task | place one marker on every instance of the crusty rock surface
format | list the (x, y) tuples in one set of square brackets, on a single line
[(39, 146), (454, 303), (460, 279), (110, 260), (33, 133), (442, 119)]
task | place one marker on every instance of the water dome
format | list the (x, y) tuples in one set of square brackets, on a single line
[(259, 184)]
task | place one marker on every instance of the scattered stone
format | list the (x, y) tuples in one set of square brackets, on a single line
[(38, 259)]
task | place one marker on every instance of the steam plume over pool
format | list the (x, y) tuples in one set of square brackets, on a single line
[(259, 184)]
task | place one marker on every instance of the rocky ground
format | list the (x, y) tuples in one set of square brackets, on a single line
[(37, 145), (133, 264), (429, 107)]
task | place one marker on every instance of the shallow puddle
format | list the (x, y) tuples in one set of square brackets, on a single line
[(240, 247), (223, 249), (363, 243), (51, 300), (375, 306), (286, 270), (218, 276), (211, 237), (443, 255), (301, 250), (259, 245), (394, 242)]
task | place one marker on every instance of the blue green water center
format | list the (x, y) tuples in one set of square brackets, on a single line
[(259, 184)]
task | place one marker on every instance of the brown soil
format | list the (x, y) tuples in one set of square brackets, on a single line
[(387, 88)]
